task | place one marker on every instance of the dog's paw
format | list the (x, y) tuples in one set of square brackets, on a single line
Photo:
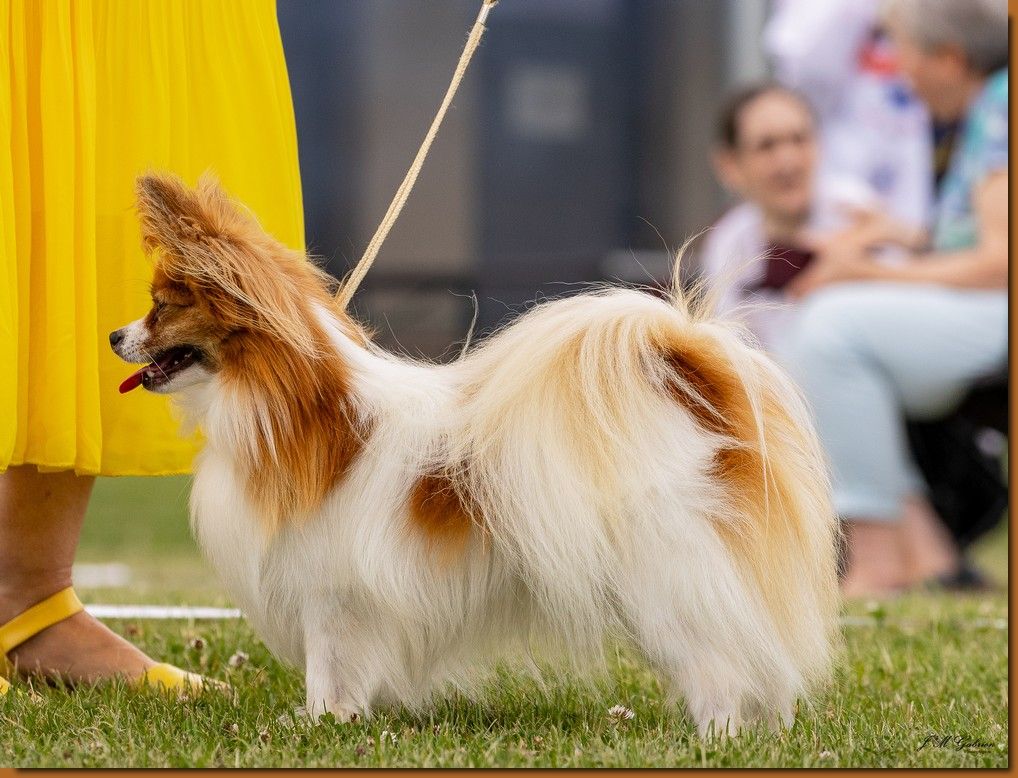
[(775, 718), (329, 712), (721, 729)]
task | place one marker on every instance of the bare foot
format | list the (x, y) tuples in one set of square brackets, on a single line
[(875, 561), (79, 649), (928, 547)]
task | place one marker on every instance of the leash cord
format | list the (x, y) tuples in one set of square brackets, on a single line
[(352, 281)]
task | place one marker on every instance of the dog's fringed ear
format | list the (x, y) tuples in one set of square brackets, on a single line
[(174, 215), (216, 248), (200, 238), (165, 209)]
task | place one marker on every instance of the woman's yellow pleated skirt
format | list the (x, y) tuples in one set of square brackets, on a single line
[(91, 95)]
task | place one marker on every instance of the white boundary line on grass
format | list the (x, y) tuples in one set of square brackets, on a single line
[(161, 612), (186, 612)]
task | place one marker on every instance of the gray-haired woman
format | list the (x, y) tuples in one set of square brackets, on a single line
[(875, 343)]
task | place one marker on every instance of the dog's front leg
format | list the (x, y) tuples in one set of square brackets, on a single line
[(338, 673)]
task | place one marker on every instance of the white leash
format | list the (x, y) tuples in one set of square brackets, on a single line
[(352, 281)]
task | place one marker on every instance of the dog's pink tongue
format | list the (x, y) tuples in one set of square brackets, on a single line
[(133, 381)]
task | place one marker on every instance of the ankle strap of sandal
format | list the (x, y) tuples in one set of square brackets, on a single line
[(40, 616)]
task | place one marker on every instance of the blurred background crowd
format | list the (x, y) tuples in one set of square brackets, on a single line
[(843, 161)]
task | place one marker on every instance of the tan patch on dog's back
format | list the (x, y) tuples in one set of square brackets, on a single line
[(440, 513)]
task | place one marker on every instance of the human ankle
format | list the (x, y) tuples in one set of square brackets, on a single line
[(875, 555), (21, 589), (929, 549)]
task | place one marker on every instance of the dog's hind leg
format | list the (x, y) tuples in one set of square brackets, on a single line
[(729, 676), (714, 694), (713, 685), (694, 621), (692, 663)]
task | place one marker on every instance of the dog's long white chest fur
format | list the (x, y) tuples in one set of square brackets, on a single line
[(611, 466)]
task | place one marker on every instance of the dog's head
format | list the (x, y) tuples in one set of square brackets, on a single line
[(217, 278)]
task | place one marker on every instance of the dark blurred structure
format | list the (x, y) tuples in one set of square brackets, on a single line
[(580, 122)]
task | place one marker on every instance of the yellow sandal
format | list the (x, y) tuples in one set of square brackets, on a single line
[(65, 604)]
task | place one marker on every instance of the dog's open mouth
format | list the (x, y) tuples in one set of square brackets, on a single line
[(159, 372)]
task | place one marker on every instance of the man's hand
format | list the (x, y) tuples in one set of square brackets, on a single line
[(839, 257), (874, 228)]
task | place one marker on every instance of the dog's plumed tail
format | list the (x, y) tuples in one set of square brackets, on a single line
[(647, 454)]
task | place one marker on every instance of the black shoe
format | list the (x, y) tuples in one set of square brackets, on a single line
[(966, 579)]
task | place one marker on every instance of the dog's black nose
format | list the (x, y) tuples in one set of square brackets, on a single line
[(115, 337)]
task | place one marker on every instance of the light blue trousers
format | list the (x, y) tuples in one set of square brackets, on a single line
[(867, 355)]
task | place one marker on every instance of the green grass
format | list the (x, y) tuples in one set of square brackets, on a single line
[(925, 685)]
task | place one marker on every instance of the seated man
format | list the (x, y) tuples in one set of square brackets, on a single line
[(768, 155)]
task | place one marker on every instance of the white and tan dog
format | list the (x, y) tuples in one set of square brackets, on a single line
[(612, 465)]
